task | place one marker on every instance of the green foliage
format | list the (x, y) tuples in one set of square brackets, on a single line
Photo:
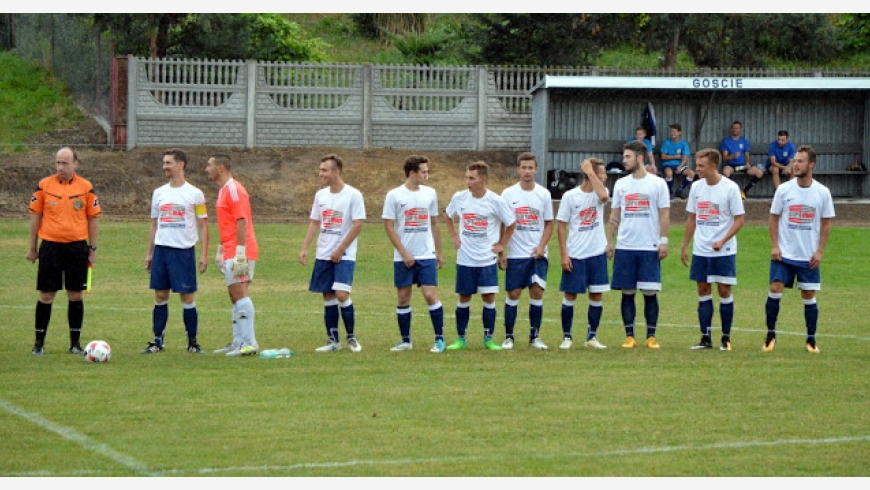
[(440, 45), (269, 37), (543, 39), (378, 26), (33, 102), (798, 37), (854, 31), (578, 413)]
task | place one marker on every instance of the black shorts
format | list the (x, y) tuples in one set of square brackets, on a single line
[(62, 264)]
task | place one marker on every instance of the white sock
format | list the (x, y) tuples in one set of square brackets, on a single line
[(246, 315)]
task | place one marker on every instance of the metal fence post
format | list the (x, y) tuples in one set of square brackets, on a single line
[(481, 107), (132, 81), (367, 106), (251, 103)]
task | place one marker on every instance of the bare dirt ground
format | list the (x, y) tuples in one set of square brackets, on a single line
[(281, 181)]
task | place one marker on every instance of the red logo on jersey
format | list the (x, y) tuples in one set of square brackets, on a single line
[(331, 219), (526, 216), (636, 202), (588, 216), (473, 223), (801, 215), (416, 217)]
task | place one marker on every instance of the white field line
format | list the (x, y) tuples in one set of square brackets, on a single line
[(425, 315), (81, 440), (497, 458)]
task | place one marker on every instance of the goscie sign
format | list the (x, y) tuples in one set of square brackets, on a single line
[(717, 83)]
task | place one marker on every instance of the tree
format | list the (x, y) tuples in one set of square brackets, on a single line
[(544, 39), (378, 26)]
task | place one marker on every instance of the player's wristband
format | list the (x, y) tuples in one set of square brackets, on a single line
[(663, 240)]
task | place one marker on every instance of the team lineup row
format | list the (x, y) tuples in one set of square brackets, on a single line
[(489, 232)]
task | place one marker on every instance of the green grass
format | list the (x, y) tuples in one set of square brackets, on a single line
[(32, 102), (673, 412)]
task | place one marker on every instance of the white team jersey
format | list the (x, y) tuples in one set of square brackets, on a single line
[(174, 208), (639, 201), (584, 214), (531, 210), (412, 212), (480, 221), (715, 207), (800, 213), (336, 214)]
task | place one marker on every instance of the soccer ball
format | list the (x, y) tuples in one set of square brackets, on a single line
[(98, 351)]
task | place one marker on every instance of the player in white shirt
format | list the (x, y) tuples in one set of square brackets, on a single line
[(583, 244), (714, 215), (481, 214), (411, 222), (337, 217), (641, 213), (177, 209), (800, 224), (526, 263)]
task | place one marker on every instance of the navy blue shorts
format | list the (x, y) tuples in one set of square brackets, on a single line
[(721, 270), (589, 273), (637, 269), (422, 273), (173, 268), (329, 277), (786, 271), (62, 264), (474, 280), (522, 273)]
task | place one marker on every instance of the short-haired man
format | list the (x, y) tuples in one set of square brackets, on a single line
[(337, 217), (641, 214), (526, 263), (780, 154), (714, 215), (63, 212), (640, 135), (800, 224), (177, 209), (237, 253), (482, 213), (411, 222), (675, 160), (583, 247), (736, 153)]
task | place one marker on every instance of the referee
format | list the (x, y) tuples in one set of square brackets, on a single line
[(63, 212)]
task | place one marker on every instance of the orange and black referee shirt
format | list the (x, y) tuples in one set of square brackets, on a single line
[(65, 208)]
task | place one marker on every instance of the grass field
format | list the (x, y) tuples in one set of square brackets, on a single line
[(673, 412)]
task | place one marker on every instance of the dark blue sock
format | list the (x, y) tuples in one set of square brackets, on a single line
[(651, 313), (347, 316), (670, 183), (159, 318), (330, 320), (686, 182), (629, 312), (726, 312), (489, 315), (567, 320), (536, 316), (403, 313), (437, 317), (811, 315), (462, 314), (593, 315), (510, 319), (771, 309), (191, 322), (705, 315)]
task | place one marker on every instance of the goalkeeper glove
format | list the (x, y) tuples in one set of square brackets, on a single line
[(240, 262)]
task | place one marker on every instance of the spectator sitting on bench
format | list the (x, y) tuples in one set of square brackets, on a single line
[(640, 135), (779, 157), (675, 160), (736, 155)]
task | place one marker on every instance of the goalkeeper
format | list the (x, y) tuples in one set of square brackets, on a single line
[(237, 253)]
